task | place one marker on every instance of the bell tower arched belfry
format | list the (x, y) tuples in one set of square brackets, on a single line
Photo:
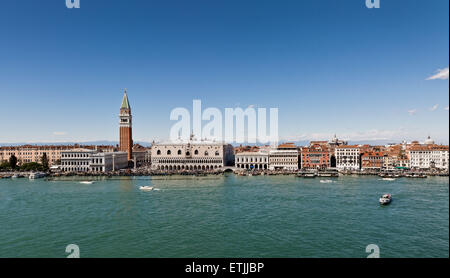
[(126, 138)]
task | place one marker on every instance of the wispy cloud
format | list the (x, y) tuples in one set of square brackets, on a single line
[(434, 107), (446, 108), (59, 133), (412, 112), (440, 74)]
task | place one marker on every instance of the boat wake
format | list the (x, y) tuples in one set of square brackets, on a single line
[(149, 188), (86, 182), (326, 181)]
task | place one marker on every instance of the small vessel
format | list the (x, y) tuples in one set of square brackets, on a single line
[(86, 182), (36, 175), (14, 176), (307, 174), (328, 174), (416, 175), (388, 179), (326, 181), (146, 188), (385, 199)]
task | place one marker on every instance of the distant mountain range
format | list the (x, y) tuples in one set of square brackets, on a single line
[(100, 142), (147, 144)]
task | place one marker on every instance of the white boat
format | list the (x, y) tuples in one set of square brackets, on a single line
[(388, 179), (146, 188), (86, 182), (14, 176), (36, 175), (326, 181), (385, 199)]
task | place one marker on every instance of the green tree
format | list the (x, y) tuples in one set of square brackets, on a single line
[(13, 162), (4, 165), (32, 166), (44, 161)]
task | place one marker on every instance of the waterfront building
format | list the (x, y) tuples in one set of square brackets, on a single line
[(31, 153), (403, 162), (321, 143), (191, 155), (87, 160), (372, 160), (34, 153), (141, 155), (242, 149), (284, 157), (395, 156), (252, 160), (347, 157), (316, 156), (389, 161), (126, 136), (428, 156)]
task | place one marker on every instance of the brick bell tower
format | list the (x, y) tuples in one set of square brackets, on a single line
[(126, 138)]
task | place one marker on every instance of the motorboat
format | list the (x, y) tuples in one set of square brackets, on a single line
[(86, 182), (417, 176), (36, 175), (388, 179), (307, 174), (146, 188), (328, 174), (326, 181), (385, 199)]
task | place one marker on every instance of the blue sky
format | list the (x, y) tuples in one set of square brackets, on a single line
[(329, 66)]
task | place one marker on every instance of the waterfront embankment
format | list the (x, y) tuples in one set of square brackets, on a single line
[(240, 172)]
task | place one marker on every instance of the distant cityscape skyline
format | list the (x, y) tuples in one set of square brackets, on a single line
[(330, 68)]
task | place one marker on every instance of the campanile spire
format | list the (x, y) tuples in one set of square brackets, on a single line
[(126, 138)]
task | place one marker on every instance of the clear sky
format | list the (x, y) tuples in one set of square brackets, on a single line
[(329, 66)]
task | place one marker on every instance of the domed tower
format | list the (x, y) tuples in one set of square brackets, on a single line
[(126, 138), (429, 141)]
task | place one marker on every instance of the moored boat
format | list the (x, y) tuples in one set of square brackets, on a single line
[(36, 175)]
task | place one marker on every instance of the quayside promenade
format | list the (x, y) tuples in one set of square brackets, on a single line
[(237, 171)]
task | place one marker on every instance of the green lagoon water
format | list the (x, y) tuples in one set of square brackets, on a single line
[(224, 216)]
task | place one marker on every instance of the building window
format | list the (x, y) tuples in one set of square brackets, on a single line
[(179, 152), (206, 153), (196, 152), (169, 152), (217, 153), (158, 152)]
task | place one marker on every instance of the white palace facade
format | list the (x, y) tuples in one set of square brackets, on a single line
[(252, 160), (86, 160), (191, 155)]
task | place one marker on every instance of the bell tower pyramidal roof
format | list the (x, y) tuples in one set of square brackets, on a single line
[(125, 102)]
